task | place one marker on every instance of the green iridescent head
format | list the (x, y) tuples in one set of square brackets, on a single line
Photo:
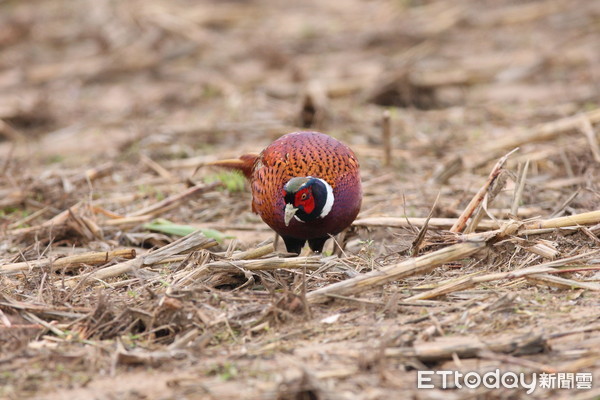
[(306, 199)]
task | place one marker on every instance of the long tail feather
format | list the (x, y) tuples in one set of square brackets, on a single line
[(244, 164)]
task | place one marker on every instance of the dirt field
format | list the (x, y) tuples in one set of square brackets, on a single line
[(108, 107)]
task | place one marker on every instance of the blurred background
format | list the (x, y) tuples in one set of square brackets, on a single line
[(84, 79), (126, 88)]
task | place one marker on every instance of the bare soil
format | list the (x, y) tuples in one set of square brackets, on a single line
[(107, 108)]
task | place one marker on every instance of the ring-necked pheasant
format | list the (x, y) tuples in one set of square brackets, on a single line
[(305, 186)]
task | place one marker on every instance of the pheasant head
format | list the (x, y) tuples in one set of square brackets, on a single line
[(306, 199)]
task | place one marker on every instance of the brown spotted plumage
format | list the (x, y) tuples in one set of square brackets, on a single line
[(305, 186)]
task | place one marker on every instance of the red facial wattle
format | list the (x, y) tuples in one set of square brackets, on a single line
[(305, 199)]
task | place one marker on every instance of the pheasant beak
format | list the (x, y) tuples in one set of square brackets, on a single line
[(290, 211)]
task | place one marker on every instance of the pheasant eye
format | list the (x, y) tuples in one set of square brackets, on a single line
[(304, 196)]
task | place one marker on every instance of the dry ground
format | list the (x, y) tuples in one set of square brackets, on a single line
[(107, 107)]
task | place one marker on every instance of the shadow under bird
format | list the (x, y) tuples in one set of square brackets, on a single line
[(305, 186)]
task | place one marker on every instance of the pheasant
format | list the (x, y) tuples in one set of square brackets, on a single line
[(305, 186)]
